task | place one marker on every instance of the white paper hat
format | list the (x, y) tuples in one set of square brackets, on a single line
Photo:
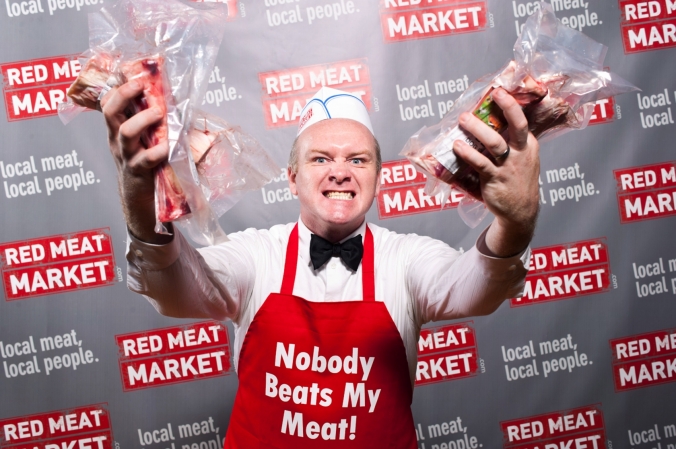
[(333, 103)]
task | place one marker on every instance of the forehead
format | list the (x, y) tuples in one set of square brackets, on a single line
[(336, 135)]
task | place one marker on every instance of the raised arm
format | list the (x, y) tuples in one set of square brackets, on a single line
[(135, 163), (477, 282), (174, 277)]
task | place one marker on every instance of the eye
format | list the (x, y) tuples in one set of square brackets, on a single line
[(320, 160), (356, 161)]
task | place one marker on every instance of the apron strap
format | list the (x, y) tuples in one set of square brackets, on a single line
[(367, 265), (368, 278), (291, 263)]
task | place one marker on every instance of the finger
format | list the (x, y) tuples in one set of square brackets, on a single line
[(107, 96), (475, 159), (493, 142), (147, 159), (518, 124), (131, 130), (117, 103)]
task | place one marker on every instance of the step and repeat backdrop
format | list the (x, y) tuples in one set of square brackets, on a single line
[(585, 359)]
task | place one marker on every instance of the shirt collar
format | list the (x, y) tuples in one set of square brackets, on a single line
[(304, 239)]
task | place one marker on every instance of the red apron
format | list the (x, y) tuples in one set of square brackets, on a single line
[(317, 374)]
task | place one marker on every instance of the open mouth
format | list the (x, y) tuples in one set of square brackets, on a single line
[(339, 195)]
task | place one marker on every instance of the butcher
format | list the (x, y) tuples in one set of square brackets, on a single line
[(327, 311)]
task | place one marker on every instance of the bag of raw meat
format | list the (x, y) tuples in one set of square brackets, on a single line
[(556, 76), (96, 77), (228, 161), (170, 47)]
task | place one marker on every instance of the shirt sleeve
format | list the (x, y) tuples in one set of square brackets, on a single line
[(445, 284), (185, 282)]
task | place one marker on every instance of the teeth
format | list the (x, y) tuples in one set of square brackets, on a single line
[(339, 195)]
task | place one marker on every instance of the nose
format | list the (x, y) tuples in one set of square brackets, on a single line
[(340, 172)]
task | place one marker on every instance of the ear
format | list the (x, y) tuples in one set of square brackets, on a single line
[(377, 184), (292, 181)]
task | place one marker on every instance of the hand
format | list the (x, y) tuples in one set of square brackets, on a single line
[(509, 186), (135, 163)]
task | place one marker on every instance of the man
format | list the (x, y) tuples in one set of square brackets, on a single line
[(325, 344)]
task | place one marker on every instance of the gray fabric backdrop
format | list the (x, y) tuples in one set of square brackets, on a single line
[(616, 283)]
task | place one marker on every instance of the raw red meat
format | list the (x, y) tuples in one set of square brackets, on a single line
[(148, 72), (170, 200), (201, 140)]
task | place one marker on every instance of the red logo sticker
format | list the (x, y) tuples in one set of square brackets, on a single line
[(285, 92), (171, 355), (565, 271), (644, 360), (646, 192), (446, 353), (402, 192), (35, 88), (56, 264)]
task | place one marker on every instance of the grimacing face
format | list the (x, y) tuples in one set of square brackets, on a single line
[(336, 178)]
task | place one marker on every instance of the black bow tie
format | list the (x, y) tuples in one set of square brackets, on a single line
[(350, 251)]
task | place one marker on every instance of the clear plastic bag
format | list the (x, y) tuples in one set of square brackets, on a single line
[(228, 161), (170, 47), (556, 76), (95, 79)]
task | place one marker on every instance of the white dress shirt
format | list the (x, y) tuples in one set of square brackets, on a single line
[(419, 279)]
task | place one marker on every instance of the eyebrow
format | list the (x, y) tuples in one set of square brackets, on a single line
[(313, 152)]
